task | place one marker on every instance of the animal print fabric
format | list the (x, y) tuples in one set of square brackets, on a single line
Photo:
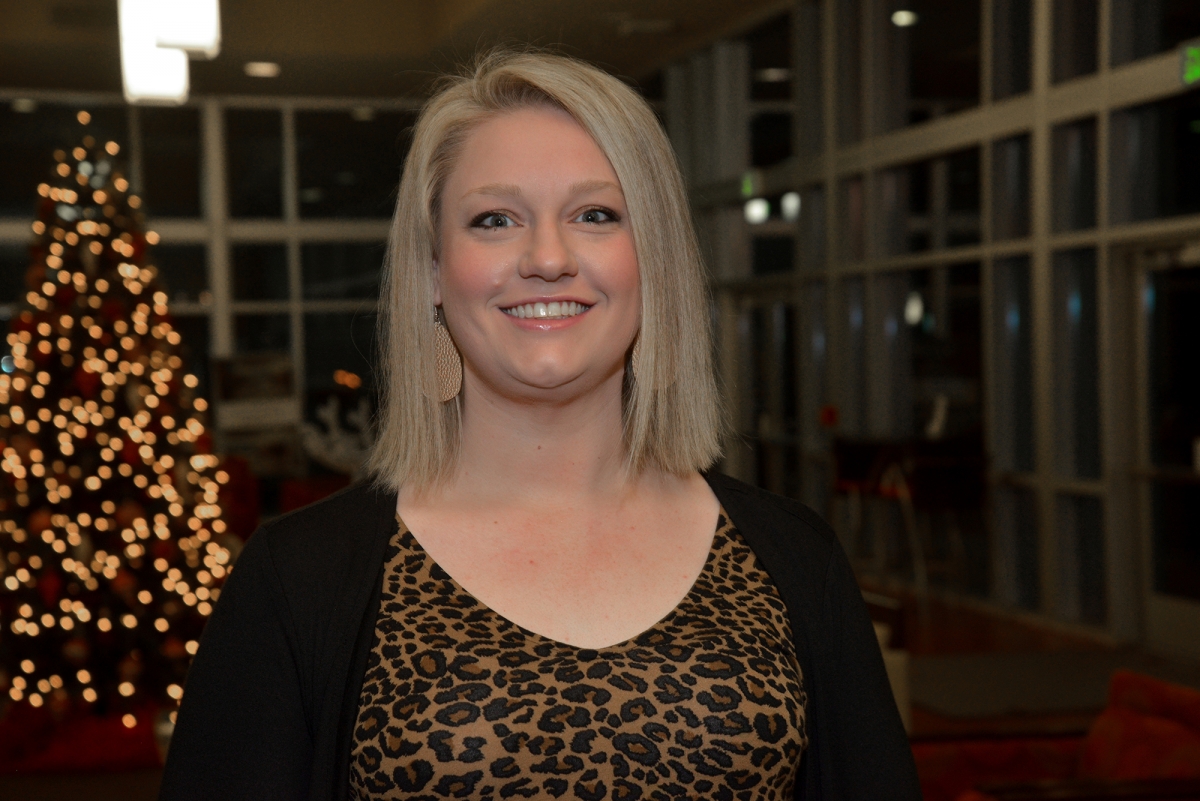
[(458, 702)]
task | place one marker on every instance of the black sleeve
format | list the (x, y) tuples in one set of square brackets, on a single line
[(857, 742), (242, 731)]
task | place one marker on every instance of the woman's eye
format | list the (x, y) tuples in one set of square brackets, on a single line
[(597, 216), (492, 219)]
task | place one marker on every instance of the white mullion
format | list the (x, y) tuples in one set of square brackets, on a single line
[(291, 217), (216, 210)]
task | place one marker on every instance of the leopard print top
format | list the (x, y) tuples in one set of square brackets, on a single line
[(458, 702)]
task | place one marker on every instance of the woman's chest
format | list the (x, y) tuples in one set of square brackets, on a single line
[(457, 701)]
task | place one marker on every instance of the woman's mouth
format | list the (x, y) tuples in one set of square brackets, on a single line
[(554, 310)]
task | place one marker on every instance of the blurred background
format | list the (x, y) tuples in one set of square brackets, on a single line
[(954, 254)]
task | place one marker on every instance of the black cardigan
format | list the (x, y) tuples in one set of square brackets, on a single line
[(273, 693)]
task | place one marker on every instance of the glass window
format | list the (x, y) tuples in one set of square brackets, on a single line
[(1074, 175), (1012, 33), (1145, 27), (771, 59), (773, 254), (258, 333), (1082, 593), (770, 362), (810, 87), (1010, 187), (849, 71), (342, 270), (260, 272), (194, 348), (14, 263), (1172, 302), (852, 359), (1155, 159), (339, 358), (29, 135), (349, 162), (815, 481), (183, 270), (943, 57), (1076, 39), (770, 138), (931, 205), (1076, 364), (850, 201), (812, 229), (171, 161), (1016, 565), (1012, 391), (254, 162)]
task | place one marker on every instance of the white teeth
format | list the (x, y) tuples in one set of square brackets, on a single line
[(552, 310)]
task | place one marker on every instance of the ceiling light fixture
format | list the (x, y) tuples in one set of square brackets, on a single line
[(157, 38), (757, 210), (262, 69), (904, 18)]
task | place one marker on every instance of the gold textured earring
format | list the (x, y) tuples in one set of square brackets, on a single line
[(448, 360)]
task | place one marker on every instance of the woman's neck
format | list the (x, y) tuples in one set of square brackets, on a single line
[(515, 451)]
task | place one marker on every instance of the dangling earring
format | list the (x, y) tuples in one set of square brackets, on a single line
[(635, 361), (448, 360)]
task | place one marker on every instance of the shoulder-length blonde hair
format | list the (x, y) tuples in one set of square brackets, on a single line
[(671, 411)]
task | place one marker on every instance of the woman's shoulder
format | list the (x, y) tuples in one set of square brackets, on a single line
[(332, 539)]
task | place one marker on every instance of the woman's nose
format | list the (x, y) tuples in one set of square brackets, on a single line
[(549, 257)]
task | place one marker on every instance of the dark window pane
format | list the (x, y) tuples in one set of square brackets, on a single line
[(773, 254), (28, 141), (14, 262), (1145, 27), (349, 162), (852, 360), (1012, 408), (1074, 175), (342, 269), (810, 88), (944, 57), (171, 161), (771, 59), (850, 228), (1155, 159), (1012, 34), (1076, 364), (812, 229), (1172, 301), (256, 333), (254, 162), (183, 270), (260, 272), (1075, 38), (1082, 593), (930, 205), (1176, 546), (1010, 185), (849, 71), (194, 331), (1017, 566), (339, 358), (770, 139)]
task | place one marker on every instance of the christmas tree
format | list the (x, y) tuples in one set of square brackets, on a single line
[(111, 552)]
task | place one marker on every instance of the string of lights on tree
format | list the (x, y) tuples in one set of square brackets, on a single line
[(112, 546)]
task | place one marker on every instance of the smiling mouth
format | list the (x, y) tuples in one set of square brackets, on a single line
[(546, 311)]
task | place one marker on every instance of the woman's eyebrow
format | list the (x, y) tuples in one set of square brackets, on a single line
[(592, 186), (501, 190)]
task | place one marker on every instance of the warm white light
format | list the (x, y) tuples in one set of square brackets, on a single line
[(904, 18), (262, 69), (789, 204), (193, 26), (914, 308), (151, 74), (756, 210)]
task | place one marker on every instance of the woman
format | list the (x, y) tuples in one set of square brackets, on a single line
[(541, 595)]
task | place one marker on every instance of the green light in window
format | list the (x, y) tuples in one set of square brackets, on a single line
[(1190, 71), (748, 184)]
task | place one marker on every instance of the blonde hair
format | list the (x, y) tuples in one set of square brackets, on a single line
[(671, 411)]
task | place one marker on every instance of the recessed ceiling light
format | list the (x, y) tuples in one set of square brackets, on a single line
[(773, 75), (904, 18), (757, 210), (262, 69), (24, 105)]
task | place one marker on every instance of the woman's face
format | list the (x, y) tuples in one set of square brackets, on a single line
[(537, 275)]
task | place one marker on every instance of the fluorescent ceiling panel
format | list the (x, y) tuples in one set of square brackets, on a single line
[(151, 74), (190, 25)]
